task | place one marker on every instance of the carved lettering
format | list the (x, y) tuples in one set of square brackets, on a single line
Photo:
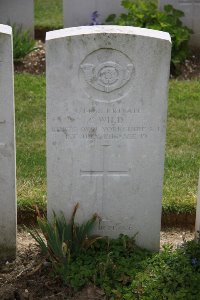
[(107, 133), (109, 123), (108, 110), (117, 227), (111, 120)]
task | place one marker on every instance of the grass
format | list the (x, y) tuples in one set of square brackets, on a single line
[(30, 138), (48, 14), (183, 144), (182, 151)]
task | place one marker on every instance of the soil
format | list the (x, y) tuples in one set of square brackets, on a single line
[(34, 62), (28, 276), (190, 69)]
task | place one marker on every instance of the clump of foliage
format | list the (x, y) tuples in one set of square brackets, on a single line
[(169, 275), (62, 240), (23, 44), (142, 13), (123, 270)]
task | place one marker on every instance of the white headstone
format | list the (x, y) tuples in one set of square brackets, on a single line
[(19, 12), (197, 225), (7, 148), (78, 12), (106, 118), (191, 8)]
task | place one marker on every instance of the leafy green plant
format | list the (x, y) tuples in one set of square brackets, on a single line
[(23, 44), (125, 272), (171, 274), (62, 241), (192, 251), (109, 264), (142, 13)]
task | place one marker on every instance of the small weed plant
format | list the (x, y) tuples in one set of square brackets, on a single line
[(62, 240), (142, 13), (23, 44)]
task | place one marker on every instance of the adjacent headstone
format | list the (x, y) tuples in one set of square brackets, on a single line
[(19, 12), (7, 148), (106, 119), (79, 12), (197, 225), (191, 8)]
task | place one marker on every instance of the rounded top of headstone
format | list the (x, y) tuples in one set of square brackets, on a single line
[(5, 29), (109, 29)]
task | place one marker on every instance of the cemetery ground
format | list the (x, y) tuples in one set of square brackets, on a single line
[(110, 269), (29, 276), (182, 151), (137, 273)]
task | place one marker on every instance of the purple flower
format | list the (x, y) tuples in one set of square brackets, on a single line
[(194, 261), (94, 18)]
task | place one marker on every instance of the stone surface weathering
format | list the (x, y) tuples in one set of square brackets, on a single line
[(7, 148), (106, 122)]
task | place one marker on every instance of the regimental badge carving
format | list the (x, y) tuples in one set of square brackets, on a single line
[(105, 74)]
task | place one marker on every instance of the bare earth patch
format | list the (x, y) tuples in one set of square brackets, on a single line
[(175, 236), (190, 69), (34, 62), (26, 278)]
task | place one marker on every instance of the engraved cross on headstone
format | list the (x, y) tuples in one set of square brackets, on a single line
[(2, 122), (104, 172)]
